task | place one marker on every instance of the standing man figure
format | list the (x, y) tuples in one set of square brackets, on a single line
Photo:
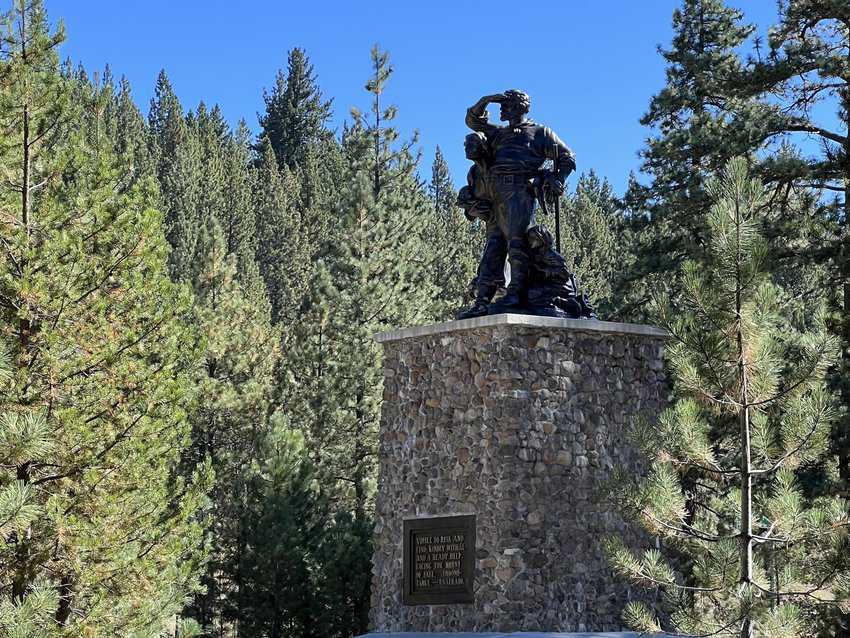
[(517, 152)]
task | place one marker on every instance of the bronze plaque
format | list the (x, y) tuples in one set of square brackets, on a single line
[(439, 560)]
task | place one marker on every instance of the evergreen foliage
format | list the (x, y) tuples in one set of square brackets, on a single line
[(284, 244), (456, 244), (279, 594), (303, 569), (805, 73), (99, 535), (230, 418), (692, 137), (130, 373), (744, 549), (238, 216), (125, 126), (210, 132), (589, 230), (371, 276), (296, 112), (177, 156), (441, 189), (242, 236)]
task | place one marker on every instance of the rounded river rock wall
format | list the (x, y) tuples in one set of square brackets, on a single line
[(519, 420)]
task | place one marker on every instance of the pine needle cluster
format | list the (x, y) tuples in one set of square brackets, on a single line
[(743, 549)]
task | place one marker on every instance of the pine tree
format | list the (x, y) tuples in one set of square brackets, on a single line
[(177, 154), (125, 125), (296, 112), (284, 529), (100, 536), (344, 585), (455, 243), (372, 277), (166, 123), (238, 218), (211, 132), (230, 418), (745, 551), (283, 241), (808, 63), (591, 215), (441, 189), (692, 138), (321, 180), (804, 76), (304, 569)]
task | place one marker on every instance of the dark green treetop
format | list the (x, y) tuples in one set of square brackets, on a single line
[(296, 112), (691, 138), (178, 156)]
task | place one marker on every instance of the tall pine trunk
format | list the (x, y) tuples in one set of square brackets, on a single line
[(22, 576), (844, 256), (746, 539)]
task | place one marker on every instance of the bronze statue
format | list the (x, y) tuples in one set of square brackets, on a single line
[(503, 187)]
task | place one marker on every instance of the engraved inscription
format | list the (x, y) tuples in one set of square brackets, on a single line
[(439, 560)]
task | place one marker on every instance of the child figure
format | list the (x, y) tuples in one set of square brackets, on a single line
[(553, 289)]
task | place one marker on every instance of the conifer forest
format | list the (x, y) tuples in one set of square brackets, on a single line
[(190, 389)]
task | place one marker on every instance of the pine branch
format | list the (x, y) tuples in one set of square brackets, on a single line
[(778, 464)]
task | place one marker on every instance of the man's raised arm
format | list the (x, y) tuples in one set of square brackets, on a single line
[(476, 115)]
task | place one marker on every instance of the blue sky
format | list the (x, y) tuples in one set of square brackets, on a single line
[(590, 67)]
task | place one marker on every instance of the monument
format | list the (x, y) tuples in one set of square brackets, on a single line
[(499, 430), (504, 185)]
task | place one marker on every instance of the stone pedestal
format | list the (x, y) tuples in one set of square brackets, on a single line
[(518, 420)]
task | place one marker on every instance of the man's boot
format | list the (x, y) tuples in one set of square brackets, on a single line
[(511, 302), (481, 305), (478, 309)]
